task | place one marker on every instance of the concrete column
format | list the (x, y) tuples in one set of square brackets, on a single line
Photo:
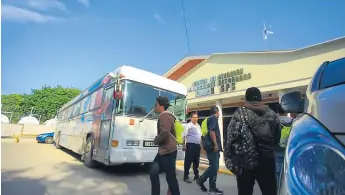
[(220, 123)]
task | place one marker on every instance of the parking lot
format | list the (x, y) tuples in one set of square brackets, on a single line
[(29, 168)]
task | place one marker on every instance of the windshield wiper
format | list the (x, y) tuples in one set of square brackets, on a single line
[(142, 119)]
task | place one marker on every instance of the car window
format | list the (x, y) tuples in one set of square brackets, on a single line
[(315, 80), (333, 74)]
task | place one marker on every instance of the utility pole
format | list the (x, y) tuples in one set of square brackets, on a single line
[(185, 26)]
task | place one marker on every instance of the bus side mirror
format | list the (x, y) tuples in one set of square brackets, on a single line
[(118, 95)]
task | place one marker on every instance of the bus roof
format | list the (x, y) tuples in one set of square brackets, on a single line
[(152, 79), (137, 75)]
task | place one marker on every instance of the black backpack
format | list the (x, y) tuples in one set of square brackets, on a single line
[(242, 153)]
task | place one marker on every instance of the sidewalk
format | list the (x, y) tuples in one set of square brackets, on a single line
[(204, 165)]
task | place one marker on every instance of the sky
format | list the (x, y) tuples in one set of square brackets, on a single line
[(74, 42)]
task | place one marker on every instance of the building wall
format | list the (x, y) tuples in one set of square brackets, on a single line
[(17, 129), (269, 71)]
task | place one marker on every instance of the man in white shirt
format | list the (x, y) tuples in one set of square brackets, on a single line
[(192, 146)]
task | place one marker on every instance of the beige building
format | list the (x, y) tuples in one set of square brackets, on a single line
[(222, 78)]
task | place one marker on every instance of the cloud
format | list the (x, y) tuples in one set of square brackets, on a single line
[(17, 14), (85, 2), (46, 5), (212, 26), (158, 17)]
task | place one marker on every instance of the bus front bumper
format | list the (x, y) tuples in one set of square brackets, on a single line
[(137, 155)]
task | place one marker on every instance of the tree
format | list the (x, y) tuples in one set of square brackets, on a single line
[(45, 101), (13, 103)]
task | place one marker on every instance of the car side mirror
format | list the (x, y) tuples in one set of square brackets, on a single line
[(292, 102)]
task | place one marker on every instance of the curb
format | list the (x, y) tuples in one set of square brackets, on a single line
[(203, 167), (20, 137)]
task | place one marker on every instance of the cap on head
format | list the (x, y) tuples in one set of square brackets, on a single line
[(163, 101), (253, 94)]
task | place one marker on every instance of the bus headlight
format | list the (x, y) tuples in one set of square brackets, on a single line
[(315, 160), (132, 143)]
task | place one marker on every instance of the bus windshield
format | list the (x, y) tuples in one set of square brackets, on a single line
[(139, 100)]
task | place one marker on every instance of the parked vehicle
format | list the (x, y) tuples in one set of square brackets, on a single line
[(45, 138), (113, 121), (315, 154)]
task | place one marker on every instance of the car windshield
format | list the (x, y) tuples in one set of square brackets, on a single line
[(139, 100)]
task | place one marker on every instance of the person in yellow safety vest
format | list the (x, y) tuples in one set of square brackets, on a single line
[(286, 123)]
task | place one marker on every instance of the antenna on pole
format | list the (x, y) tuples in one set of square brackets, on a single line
[(185, 25), (265, 34)]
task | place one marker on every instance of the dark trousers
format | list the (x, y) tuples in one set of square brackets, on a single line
[(212, 170), (167, 164), (264, 174), (280, 153), (192, 155)]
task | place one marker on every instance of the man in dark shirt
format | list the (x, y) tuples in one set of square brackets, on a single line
[(212, 146)]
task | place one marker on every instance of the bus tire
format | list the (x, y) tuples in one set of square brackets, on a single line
[(87, 160), (57, 143)]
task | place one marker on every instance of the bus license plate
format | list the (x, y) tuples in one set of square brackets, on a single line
[(149, 144)]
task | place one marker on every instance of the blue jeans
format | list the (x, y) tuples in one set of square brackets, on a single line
[(212, 170)]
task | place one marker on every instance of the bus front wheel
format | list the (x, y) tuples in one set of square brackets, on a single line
[(88, 153)]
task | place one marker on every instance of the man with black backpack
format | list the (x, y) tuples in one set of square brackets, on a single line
[(252, 138)]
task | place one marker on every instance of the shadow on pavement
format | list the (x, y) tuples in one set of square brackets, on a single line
[(21, 185), (73, 177), (77, 179)]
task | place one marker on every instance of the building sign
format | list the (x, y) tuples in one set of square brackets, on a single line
[(225, 82)]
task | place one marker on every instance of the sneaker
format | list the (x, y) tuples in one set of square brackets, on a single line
[(187, 180), (196, 178), (215, 191), (201, 185)]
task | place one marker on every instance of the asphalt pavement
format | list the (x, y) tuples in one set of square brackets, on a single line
[(29, 168)]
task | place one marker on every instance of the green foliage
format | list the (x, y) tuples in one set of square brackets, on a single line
[(13, 103), (45, 101)]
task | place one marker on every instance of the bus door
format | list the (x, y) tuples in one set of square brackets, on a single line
[(106, 119)]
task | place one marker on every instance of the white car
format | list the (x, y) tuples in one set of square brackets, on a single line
[(315, 154)]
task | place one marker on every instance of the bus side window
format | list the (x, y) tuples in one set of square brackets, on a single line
[(119, 106), (108, 103), (119, 102), (85, 104), (70, 112), (96, 99), (76, 110)]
